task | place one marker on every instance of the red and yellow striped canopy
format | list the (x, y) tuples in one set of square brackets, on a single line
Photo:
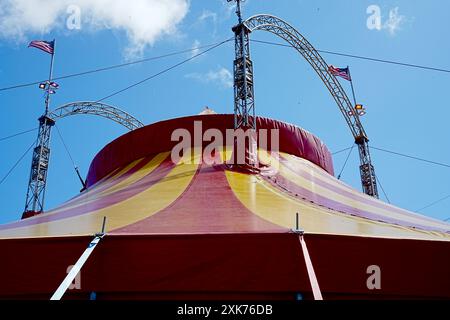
[(136, 186)]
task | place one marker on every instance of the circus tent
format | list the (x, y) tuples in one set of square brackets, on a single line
[(205, 231)]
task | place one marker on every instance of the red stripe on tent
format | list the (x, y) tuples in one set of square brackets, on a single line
[(205, 207)]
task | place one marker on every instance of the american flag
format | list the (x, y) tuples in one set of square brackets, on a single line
[(340, 72), (47, 46)]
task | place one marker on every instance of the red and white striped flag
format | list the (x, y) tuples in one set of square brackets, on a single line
[(340, 72), (47, 46)]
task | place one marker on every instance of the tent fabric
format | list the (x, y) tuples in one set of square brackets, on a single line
[(232, 266), (155, 196), (156, 138), (173, 227)]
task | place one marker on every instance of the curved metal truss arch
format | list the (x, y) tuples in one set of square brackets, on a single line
[(288, 33), (34, 203), (96, 109)]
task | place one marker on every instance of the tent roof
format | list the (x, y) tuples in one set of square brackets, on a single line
[(134, 183)]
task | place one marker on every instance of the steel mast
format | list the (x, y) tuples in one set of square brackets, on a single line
[(34, 203), (244, 94)]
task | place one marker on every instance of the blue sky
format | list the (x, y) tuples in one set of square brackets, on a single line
[(408, 109)]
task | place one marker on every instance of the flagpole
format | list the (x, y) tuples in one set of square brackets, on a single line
[(50, 77), (351, 84)]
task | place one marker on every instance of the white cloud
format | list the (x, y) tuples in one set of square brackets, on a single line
[(395, 21), (222, 77), (206, 14), (209, 15), (143, 21)]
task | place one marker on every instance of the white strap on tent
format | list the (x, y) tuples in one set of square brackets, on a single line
[(310, 268), (76, 269), (80, 263)]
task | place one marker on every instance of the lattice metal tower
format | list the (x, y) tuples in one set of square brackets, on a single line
[(39, 168), (244, 94), (34, 203)]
